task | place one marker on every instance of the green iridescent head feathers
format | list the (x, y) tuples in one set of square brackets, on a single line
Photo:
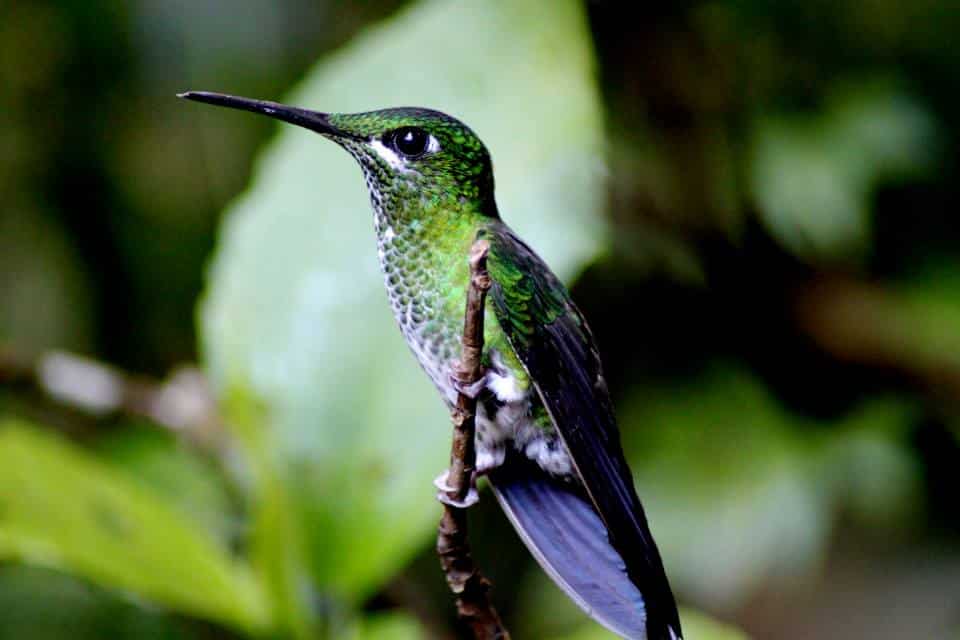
[(410, 150)]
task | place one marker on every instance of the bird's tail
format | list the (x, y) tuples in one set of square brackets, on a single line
[(569, 540)]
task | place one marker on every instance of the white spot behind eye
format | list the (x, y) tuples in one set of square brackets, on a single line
[(389, 156), (394, 159)]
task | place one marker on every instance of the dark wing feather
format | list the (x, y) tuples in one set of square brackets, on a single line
[(560, 526), (552, 339)]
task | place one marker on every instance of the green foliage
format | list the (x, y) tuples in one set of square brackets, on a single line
[(698, 626), (387, 626), (44, 604), (61, 508), (748, 465), (921, 317), (813, 176), (182, 476), (277, 533)]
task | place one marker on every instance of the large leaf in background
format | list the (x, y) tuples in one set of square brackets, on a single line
[(812, 176), (740, 492), (62, 508), (295, 313)]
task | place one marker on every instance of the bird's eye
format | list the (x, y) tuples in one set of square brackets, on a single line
[(411, 141)]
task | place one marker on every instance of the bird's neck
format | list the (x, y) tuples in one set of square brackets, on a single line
[(428, 241)]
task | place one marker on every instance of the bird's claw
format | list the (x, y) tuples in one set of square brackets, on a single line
[(471, 499), (472, 390), (440, 482)]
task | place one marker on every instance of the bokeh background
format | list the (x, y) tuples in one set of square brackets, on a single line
[(212, 429)]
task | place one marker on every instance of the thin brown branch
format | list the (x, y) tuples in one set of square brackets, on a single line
[(466, 582), (183, 403)]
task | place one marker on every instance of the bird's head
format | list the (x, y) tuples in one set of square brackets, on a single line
[(411, 157)]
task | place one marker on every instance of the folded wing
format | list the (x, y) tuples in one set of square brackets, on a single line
[(553, 341)]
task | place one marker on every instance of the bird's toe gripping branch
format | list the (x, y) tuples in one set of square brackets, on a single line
[(445, 491), (470, 389)]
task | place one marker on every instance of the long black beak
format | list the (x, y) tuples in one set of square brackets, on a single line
[(313, 120)]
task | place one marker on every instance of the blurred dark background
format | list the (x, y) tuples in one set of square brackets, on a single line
[(783, 285)]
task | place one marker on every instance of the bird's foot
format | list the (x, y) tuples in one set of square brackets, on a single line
[(472, 389), (441, 483)]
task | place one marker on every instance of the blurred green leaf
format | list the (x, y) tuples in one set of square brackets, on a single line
[(41, 604), (740, 492), (60, 507), (868, 471), (276, 531), (387, 626), (700, 626), (812, 176), (295, 314), (923, 325), (179, 474)]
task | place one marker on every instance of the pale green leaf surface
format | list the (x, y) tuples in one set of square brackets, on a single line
[(296, 313), (62, 508)]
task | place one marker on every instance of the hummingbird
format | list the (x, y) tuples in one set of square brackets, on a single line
[(546, 436)]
